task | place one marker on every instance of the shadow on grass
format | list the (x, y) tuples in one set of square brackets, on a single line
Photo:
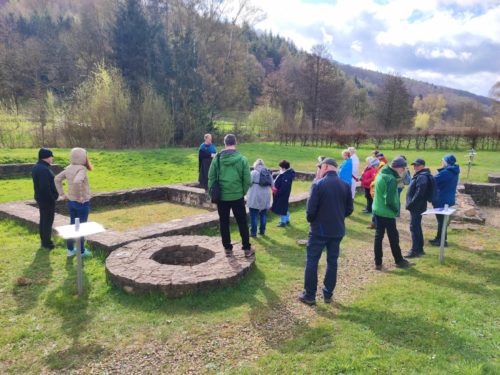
[(40, 271), (73, 310)]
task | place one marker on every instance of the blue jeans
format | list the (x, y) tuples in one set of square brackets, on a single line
[(315, 247), (417, 236), (253, 221), (285, 219), (81, 211)]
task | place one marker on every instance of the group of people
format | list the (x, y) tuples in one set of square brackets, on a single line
[(330, 201)]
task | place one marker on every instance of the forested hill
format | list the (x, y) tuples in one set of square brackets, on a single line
[(415, 87), (148, 73)]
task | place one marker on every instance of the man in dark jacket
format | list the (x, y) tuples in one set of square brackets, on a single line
[(419, 191), (446, 185), (330, 202), (45, 195)]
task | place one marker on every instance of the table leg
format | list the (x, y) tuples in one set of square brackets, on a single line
[(443, 238), (79, 270)]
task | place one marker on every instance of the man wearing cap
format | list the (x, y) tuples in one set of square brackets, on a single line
[(386, 207), (330, 202), (45, 195), (446, 185), (419, 192)]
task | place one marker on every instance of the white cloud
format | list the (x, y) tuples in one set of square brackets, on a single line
[(436, 53), (357, 46), (375, 34)]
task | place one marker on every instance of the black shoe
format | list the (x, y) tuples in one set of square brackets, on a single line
[(404, 264), (327, 300), (281, 225), (303, 299), (229, 252), (412, 254), (249, 252), (438, 243), (366, 212), (253, 235), (49, 246), (378, 267)]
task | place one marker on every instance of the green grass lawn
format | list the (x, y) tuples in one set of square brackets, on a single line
[(139, 168), (432, 319)]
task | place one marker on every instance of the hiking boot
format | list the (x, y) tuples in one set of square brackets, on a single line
[(327, 300), (436, 242), (249, 252), (378, 267), (412, 254), (229, 252), (281, 225), (302, 298), (70, 253), (404, 264)]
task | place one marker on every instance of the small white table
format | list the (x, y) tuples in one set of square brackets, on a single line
[(447, 212), (76, 232)]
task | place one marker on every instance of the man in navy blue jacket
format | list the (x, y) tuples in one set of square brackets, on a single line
[(45, 195), (330, 202)]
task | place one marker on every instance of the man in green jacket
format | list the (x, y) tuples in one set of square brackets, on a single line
[(233, 173), (386, 207)]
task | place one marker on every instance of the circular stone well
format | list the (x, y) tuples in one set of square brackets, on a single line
[(175, 265)]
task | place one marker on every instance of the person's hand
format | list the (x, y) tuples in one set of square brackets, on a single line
[(63, 197), (81, 200)]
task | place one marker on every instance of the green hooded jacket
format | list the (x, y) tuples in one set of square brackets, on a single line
[(386, 200), (234, 176)]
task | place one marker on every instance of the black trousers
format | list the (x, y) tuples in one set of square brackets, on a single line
[(383, 224), (369, 200), (240, 214), (440, 220), (47, 213)]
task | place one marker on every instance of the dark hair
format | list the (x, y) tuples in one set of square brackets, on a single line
[(284, 164), (230, 140)]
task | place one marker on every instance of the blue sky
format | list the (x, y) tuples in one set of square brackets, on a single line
[(454, 43)]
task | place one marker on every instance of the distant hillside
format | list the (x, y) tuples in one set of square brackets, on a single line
[(453, 97)]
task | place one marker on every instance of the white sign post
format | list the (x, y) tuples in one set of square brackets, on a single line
[(76, 232), (446, 212)]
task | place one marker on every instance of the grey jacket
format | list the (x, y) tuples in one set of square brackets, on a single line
[(258, 197)]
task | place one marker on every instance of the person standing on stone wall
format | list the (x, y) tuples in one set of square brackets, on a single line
[(419, 192), (355, 170), (386, 207), (330, 202), (45, 195), (231, 170), (78, 193), (206, 153), (446, 185)]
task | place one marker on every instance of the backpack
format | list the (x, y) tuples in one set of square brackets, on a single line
[(265, 178), (431, 189)]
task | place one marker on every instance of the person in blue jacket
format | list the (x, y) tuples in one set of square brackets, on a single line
[(330, 202), (206, 153), (345, 172), (446, 184), (281, 192)]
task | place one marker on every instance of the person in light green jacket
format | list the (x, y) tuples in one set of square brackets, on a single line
[(231, 169), (385, 208)]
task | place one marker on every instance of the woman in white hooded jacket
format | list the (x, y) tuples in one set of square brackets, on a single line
[(78, 191), (259, 197)]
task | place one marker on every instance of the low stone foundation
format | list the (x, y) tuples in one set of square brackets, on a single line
[(484, 194), (467, 210), (494, 178), (22, 170), (175, 265)]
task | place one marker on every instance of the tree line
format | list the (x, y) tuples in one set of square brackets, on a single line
[(150, 73)]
